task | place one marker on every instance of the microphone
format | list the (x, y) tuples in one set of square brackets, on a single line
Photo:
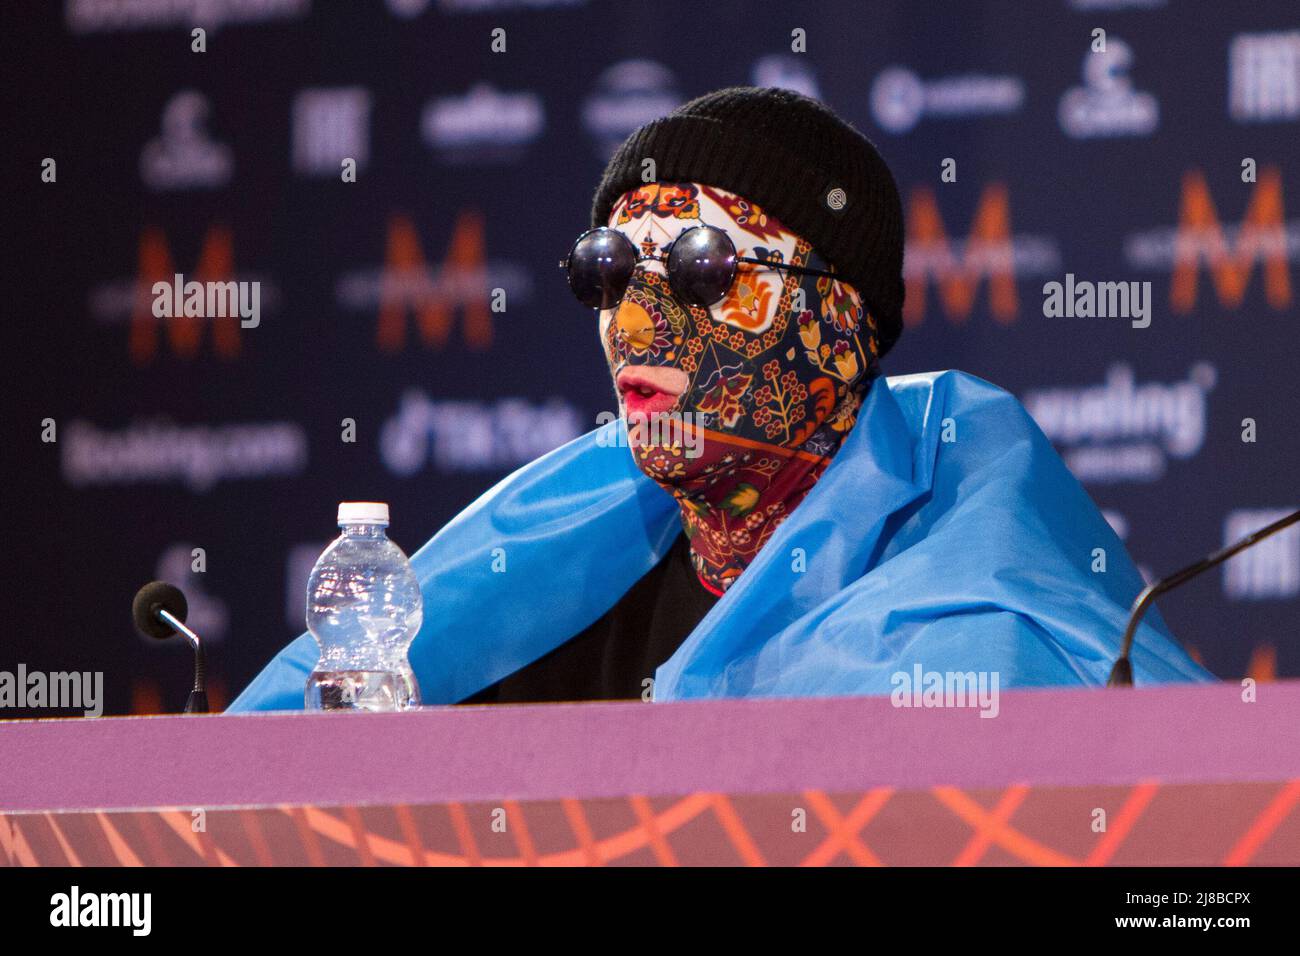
[(1121, 675), (159, 611)]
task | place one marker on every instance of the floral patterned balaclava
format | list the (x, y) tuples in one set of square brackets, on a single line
[(773, 378)]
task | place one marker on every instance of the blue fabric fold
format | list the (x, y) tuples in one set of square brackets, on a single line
[(946, 533)]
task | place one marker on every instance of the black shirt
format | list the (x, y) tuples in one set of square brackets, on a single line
[(610, 659)]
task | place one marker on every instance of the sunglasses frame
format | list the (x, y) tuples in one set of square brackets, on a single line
[(666, 256)]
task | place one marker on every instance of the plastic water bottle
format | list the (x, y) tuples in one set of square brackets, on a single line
[(364, 608)]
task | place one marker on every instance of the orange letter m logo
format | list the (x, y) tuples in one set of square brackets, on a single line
[(987, 253), (184, 333), (409, 283), (1262, 235)]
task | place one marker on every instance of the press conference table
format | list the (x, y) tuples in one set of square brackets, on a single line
[(1171, 775)]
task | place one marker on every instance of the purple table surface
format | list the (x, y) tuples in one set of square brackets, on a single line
[(1175, 734)]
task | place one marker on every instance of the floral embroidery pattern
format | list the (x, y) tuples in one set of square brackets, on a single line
[(776, 370), (722, 398), (780, 402)]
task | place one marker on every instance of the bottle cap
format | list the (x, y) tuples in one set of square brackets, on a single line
[(363, 512)]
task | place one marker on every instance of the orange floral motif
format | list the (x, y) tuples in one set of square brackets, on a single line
[(810, 331), (665, 200), (749, 303), (846, 413), (639, 327), (824, 396), (747, 215), (839, 305), (662, 461), (846, 361)]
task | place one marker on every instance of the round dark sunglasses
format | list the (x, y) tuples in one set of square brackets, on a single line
[(701, 264)]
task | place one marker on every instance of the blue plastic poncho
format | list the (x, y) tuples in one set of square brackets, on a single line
[(946, 533)]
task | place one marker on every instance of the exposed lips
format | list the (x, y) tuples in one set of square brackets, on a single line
[(650, 390)]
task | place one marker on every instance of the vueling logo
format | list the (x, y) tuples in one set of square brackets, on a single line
[(959, 267)]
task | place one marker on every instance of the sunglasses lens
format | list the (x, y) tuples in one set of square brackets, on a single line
[(702, 265), (599, 267)]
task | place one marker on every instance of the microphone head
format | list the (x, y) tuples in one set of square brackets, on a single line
[(154, 597)]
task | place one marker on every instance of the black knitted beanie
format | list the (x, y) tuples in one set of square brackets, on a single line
[(794, 157)]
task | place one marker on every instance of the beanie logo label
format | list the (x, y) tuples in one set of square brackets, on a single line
[(836, 200)]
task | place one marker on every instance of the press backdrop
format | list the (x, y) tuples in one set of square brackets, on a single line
[(214, 455)]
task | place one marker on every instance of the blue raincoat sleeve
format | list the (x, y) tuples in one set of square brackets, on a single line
[(946, 534)]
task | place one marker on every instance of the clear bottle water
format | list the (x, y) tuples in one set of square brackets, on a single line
[(364, 608)]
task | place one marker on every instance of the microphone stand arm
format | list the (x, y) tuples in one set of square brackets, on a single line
[(198, 699), (1121, 674)]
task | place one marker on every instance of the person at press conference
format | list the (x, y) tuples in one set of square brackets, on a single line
[(829, 529)]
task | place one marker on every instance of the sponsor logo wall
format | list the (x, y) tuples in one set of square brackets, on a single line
[(413, 341)]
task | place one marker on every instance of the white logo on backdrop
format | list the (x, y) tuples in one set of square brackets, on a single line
[(368, 288), (473, 435), (1270, 569), (483, 124), (407, 9), (1107, 104), (627, 95), (330, 125), (900, 99), (183, 156), (107, 16), (1025, 254), (1163, 248), (198, 456), (1095, 5), (1264, 77), (786, 72), (410, 9), (1122, 431)]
